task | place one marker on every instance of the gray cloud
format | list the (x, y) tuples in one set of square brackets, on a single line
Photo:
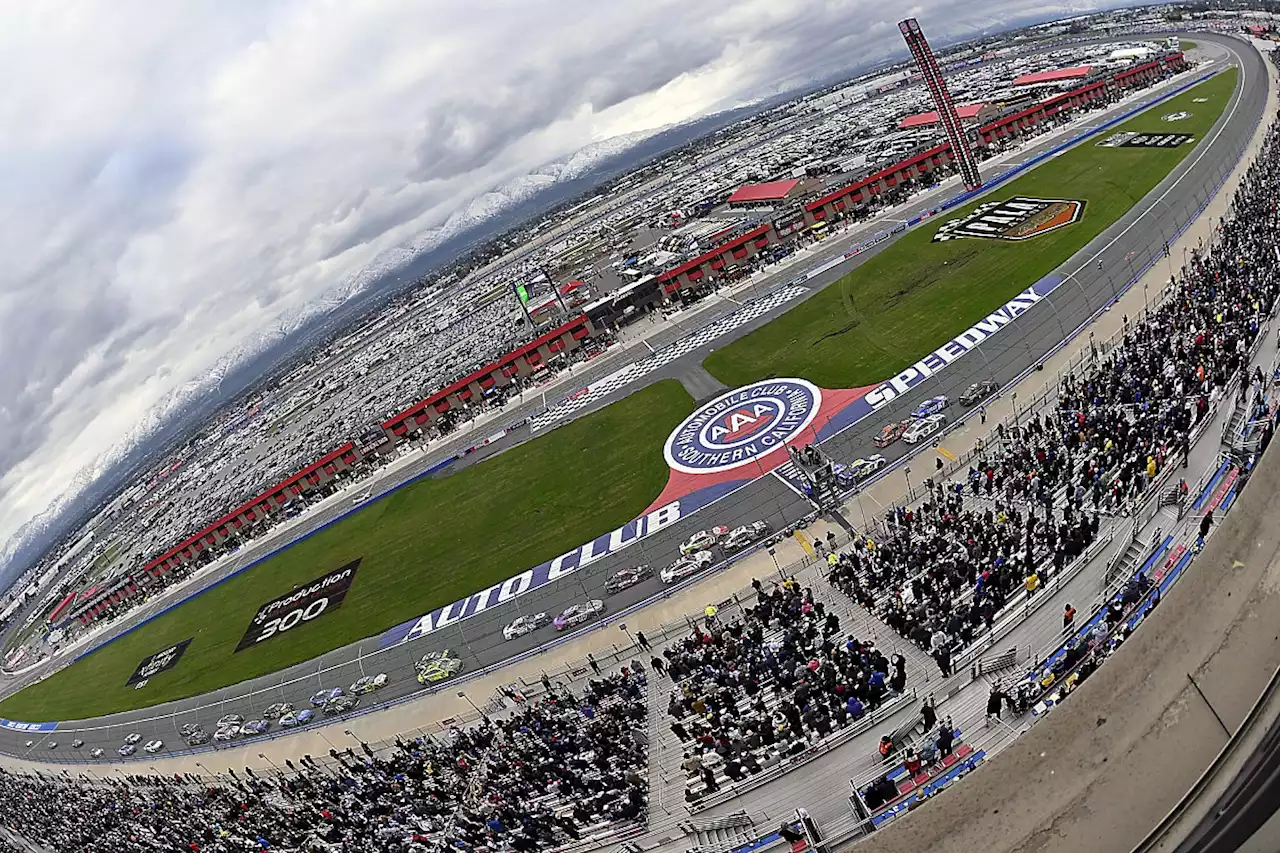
[(178, 178)]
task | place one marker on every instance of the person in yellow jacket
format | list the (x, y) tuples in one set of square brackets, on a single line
[(1033, 584), (1151, 467)]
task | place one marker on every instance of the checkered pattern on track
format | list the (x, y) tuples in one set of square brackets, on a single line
[(589, 395)]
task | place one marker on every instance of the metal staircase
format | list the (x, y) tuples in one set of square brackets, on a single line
[(720, 835)]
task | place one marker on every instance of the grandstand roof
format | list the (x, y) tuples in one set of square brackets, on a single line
[(771, 191), (966, 112), (1055, 76)]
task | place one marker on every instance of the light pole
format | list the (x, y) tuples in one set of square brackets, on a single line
[(1014, 401), (907, 473), (264, 757), (463, 695), (352, 735), (622, 626)]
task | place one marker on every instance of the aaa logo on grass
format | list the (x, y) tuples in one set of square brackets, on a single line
[(1017, 218), (742, 425)]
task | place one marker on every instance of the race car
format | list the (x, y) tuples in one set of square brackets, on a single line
[(686, 566), (77, 743), (931, 406), (30, 744), (525, 624), (255, 727), (154, 746), (97, 753), (276, 711), (197, 738), (227, 733), (132, 739), (625, 578), (53, 744), (322, 696), (741, 537), (891, 433), (340, 705), (924, 428), (437, 666), (576, 614), (189, 729), (369, 683), (865, 467), (127, 750), (230, 719), (978, 391), (703, 539), (296, 718)]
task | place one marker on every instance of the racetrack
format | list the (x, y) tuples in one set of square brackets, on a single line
[(1123, 248)]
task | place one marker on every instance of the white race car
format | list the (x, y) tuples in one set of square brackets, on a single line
[(923, 428), (132, 739), (525, 624), (741, 537), (230, 720), (686, 566), (863, 468), (703, 539), (154, 746), (369, 683), (576, 614), (226, 733)]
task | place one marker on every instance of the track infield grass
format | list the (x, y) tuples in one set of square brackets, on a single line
[(423, 546), (916, 294), (895, 308)]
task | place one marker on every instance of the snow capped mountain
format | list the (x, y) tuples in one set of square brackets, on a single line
[(478, 211)]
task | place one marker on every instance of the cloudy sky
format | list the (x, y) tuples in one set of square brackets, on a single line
[(176, 178)]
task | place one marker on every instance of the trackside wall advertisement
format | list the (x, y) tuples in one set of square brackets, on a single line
[(157, 663), (309, 601)]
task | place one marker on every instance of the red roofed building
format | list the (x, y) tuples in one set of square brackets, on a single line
[(968, 113), (1058, 75), (766, 195)]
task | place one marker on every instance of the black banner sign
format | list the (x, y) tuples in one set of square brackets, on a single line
[(308, 601), (1145, 140), (157, 663)]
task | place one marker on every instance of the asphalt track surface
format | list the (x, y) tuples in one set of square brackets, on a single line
[(1124, 249)]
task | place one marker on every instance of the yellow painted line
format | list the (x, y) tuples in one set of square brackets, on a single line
[(804, 543), (948, 454)]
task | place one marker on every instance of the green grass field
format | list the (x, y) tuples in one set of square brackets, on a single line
[(916, 295), (424, 546), (442, 539)]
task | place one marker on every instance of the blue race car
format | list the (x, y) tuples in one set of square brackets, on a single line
[(932, 406), (325, 695), (297, 718)]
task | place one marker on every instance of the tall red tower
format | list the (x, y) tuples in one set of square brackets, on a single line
[(932, 74)]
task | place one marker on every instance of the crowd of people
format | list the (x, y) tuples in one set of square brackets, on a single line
[(768, 683), (553, 772), (1036, 497)]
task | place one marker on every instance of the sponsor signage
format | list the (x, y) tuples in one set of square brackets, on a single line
[(157, 663), (741, 426), (538, 576), (309, 601), (15, 726), (1017, 218), (1145, 140), (884, 393)]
